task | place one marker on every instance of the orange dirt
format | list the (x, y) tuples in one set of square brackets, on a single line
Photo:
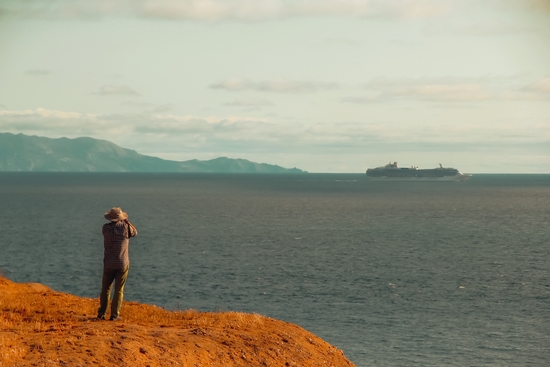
[(41, 327)]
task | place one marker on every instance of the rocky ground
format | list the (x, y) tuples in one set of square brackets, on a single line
[(41, 327)]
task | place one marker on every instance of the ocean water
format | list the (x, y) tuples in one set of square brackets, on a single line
[(394, 274)]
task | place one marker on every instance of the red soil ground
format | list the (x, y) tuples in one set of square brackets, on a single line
[(41, 327)]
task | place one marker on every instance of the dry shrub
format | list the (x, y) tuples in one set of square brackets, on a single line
[(11, 348), (148, 315), (230, 320)]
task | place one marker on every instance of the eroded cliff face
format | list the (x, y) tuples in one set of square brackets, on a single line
[(41, 327)]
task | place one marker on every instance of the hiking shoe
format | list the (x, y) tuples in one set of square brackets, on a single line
[(101, 317), (118, 318)]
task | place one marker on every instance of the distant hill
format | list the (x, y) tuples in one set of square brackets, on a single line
[(33, 153)]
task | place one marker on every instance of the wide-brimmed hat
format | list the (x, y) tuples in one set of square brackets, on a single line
[(116, 214)]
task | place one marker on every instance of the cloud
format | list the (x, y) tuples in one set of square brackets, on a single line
[(107, 90), (427, 89), (360, 100), (167, 107), (534, 5), (342, 42), (541, 86), (275, 86), (448, 89), (137, 104), (42, 121), (216, 10), (47, 122), (229, 126), (487, 27), (41, 112), (539, 4), (37, 72), (189, 133), (148, 107), (233, 84), (249, 102), (445, 92)]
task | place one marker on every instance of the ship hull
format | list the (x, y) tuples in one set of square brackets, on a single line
[(456, 178)]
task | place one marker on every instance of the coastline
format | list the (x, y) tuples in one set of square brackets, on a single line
[(39, 326)]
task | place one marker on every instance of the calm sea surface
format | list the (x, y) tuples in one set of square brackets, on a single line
[(394, 274)]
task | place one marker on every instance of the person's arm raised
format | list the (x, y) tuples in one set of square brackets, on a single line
[(132, 231)]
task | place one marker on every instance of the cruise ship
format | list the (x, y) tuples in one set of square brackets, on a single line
[(391, 172)]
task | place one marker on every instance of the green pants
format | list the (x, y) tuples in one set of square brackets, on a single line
[(119, 277)]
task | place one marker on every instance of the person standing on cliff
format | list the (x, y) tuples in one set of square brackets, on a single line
[(116, 238)]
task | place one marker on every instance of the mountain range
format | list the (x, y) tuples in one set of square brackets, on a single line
[(19, 152)]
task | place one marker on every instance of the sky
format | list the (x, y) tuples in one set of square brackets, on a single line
[(322, 85)]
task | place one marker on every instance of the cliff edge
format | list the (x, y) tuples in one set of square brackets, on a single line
[(41, 327)]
